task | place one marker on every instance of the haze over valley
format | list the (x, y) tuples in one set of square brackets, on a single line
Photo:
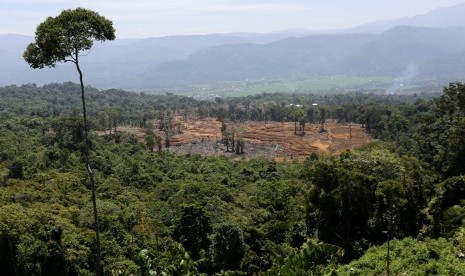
[(428, 48)]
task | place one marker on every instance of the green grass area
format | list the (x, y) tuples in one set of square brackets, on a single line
[(336, 84)]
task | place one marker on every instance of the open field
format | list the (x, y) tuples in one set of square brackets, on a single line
[(335, 84), (273, 140)]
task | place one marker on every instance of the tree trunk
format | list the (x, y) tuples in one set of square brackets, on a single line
[(388, 259), (12, 256), (90, 172), (233, 144), (109, 119)]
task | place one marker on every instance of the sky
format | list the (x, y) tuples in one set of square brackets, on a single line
[(153, 18)]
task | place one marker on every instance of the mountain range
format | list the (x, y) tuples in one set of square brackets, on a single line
[(438, 18), (429, 46)]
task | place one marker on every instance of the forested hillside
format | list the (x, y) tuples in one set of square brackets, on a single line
[(387, 54), (169, 214), (179, 62)]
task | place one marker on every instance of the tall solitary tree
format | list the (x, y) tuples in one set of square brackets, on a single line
[(65, 38), (299, 117), (322, 118)]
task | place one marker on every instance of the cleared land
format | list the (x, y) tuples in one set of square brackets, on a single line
[(273, 140)]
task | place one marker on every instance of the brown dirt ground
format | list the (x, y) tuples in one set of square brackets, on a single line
[(273, 140)]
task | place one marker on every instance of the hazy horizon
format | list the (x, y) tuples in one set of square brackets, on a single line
[(145, 18)]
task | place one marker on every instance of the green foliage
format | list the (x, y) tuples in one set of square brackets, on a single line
[(16, 169), (445, 210), (73, 31), (311, 259), (440, 134), (340, 205), (227, 248), (409, 256), (150, 141), (61, 39), (176, 261), (168, 214), (299, 116), (139, 200), (354, 200), (192, 230)]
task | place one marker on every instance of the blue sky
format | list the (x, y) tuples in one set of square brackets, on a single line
[(148, 18)]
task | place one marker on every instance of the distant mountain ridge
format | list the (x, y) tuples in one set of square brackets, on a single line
[(444, 17), (386, 54), (176, 61)]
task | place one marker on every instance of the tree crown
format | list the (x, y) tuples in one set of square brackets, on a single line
[(61, 38)]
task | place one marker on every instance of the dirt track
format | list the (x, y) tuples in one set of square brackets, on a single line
[(273, 140)]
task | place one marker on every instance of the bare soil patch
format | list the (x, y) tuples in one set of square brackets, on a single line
[(273, 140)]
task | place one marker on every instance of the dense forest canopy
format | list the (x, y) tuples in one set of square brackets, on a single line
[(169, 214)]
